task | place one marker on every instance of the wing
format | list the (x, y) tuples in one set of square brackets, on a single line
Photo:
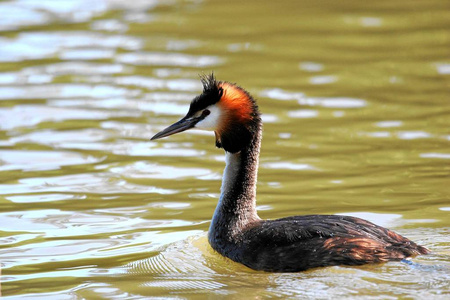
[(303, 242)]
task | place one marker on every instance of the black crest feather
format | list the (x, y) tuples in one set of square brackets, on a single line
[(209, 82), (211, 94)]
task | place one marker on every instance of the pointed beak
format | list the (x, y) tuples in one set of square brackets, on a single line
[(180, 126)]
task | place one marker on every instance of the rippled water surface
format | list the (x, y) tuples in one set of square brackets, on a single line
[(356, 107)]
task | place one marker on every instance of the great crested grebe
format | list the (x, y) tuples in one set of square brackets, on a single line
[(285, 245)]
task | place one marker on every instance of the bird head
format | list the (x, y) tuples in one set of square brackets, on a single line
[(224, 108)]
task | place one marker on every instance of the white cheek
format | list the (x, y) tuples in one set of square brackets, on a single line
[(211, 122)]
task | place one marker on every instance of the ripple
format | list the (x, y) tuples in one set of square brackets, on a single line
[(56, 251), (412, 135), (35, 221), (364, 21), (285, 135), (172, 205), (443, 69), (8, 78), (20, 78), (163, 108), (42, 198), (169, 59), (280, 94), (334, 102), (326, 79), (288, 166), (87, 54), (371, 21), (49, 91), (338, 102), (170, 96), (67, 9), (182, 261), (145, 239), (77, 68), (57, 138), (15, 16), (387, 124), (435, 155), (243, 47), (151, 170), (379, 134), (269, 118), (99, 183), (338, 113), (41, 160), (265, 207), (111, 25), (31, 115), (124, 234), (125, 129), (40, 45), (180, 45), (303, 113), (310, 66), (131, 148), (156, 83), (186, 284), (16, 238)]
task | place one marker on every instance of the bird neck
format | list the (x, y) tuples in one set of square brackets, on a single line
[(236, 208)]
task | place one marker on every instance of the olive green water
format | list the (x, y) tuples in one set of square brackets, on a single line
[(356, 106)]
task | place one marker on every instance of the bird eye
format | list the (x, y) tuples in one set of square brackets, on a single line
[(205, 112)]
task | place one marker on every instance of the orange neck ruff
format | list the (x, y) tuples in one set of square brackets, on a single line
[(235, 103)]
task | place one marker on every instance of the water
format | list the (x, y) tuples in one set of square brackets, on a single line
[(356, 107)]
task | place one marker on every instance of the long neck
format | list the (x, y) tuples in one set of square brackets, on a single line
[(237, 204)]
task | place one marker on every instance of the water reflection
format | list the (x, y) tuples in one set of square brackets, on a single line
[(443, 69), (104, 183), (77, 68), (288, 166), (435, 155), (39, 45), (156, 83), (311, 66), (41, 160), (354, 124), (64, 91), (48, 197), (59, 138), (386, 124), (152, 170), (169, 59), (303, 113), (30, 115), (87, 54), (323, 79), (337, 102), (111, 25)]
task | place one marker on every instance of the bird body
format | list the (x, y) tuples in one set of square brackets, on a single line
[(284, 245)]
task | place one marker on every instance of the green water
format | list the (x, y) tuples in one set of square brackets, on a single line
[(356, 109)]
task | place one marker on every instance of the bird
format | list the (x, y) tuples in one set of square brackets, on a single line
[(290, 244)]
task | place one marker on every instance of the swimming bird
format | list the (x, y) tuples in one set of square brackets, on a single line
[(289, 244)]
